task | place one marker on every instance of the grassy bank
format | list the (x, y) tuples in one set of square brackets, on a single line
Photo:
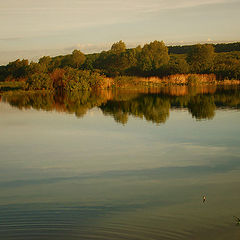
[(128, 82), (12, 86), (171, 80)]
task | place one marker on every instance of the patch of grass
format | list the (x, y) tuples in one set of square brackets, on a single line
[(20, 92), (12, 86)]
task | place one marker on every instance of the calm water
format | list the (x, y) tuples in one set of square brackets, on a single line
[(121, 165)]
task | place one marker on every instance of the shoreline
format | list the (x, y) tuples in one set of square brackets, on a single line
[(131, 83)]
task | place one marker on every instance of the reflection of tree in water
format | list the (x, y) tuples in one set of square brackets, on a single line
[(35, 101), (121, 117), (228, 97), (202, 107), (151, 107), (78, 104), (154, 107), (201, 103)]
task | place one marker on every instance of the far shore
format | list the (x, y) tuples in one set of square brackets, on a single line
[(131, 82)]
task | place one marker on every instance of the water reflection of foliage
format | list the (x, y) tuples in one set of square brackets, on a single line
[(228, 97), (202, 107), (201, 103), (151, 107), (71, 103), (36, 101), (151, 104)]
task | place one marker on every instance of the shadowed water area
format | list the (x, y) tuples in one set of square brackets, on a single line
[(129, 164)]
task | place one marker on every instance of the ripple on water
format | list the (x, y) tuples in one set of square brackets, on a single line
[(87, 223)]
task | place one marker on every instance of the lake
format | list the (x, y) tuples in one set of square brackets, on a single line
[(126, 164)]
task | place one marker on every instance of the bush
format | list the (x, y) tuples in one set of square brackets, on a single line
[(40, 81), (75, 80)]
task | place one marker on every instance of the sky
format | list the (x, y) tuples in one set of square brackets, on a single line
[(31, 28)]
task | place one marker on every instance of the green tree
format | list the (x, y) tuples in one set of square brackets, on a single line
[(67, 61), (45, 62), (201, 58), (75, 80), (153, 56), (36, 68), (177, 65), (118, 47), (227, 66), (40, 81), (90, 62), (18, 68), (56, 62), (78, 58)]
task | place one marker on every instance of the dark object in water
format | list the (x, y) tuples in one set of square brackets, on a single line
[(237, 219), (204, 198)]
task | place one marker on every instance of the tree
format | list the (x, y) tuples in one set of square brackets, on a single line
[(3, 73), (36, 68), (118, 47), (18, 68), (67, 61), (57, 78), (40, 81), (56, 62), (90, 61), (45, 62), (227, 66), (177, 65), (201, 58), (78, 58), (153, 56)]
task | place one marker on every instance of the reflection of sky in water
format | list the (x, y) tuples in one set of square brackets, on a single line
[(73, 176)]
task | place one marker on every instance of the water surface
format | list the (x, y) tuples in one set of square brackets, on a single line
[(121, 165)]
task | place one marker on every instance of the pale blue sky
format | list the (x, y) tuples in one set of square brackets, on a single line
[(31, 28)]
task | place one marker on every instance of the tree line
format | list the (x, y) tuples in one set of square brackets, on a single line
[(77, 71), (219, 48)]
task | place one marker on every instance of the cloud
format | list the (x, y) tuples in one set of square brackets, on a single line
[(32, 55), (29, 24), (89, 7), (10, 39), (90, 47), (35, 54), (58, 15), (30, 18), (176, 4), (103, 4)]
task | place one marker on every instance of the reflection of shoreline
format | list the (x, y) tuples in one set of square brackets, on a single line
[(170, 90), (153, 104)]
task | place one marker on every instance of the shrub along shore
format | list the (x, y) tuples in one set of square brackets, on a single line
[(122, 82), (150, 65)]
